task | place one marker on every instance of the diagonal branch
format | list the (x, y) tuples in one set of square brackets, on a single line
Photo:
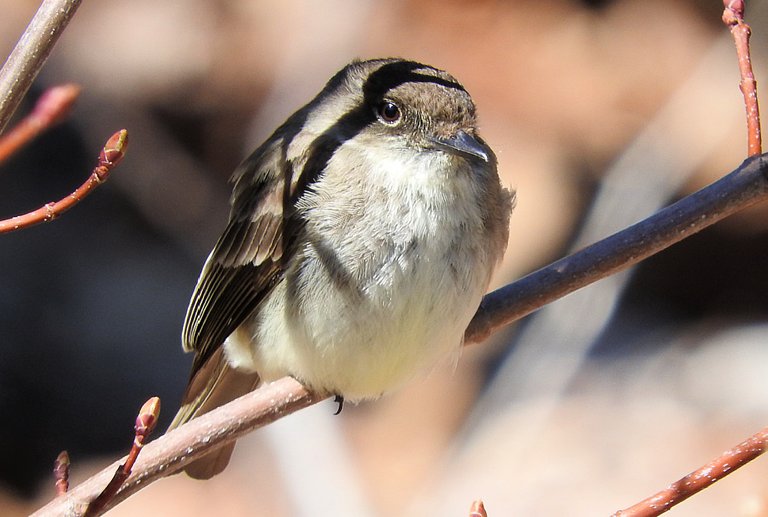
[(31, 52), (145, 424), (110, 156), (701, 478), (742, 188), (51, 108), (169, 453)]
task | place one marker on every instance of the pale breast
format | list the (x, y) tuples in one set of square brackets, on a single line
[(382, 287)]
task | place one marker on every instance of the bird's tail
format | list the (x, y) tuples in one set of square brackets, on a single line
[(213, 385)]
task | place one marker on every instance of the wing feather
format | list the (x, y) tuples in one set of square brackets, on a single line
[(247, 260)]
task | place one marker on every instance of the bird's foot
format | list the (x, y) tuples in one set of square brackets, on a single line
[(340, 401)]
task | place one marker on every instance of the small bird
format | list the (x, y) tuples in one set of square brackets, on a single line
[(361, 238)]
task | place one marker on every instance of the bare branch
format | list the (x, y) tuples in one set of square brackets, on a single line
[(110, 156), (733, 17), (742, 188), (171, 452), (700, 479), (31, 52), (52, 107), (145, 424)]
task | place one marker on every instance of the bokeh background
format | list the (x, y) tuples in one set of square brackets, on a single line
[(600, 112)]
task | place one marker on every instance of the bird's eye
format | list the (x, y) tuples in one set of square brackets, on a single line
[(388, 112)]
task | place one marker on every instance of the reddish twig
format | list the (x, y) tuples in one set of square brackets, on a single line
[(700, 479), (110, 156), (51, 108), (145, 424), (477, 509), (733, 17), (176, 449), (61, 473)]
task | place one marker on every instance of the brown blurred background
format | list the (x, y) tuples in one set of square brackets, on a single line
[(600, 112)]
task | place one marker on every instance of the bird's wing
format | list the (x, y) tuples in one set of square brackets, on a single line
[(249, 258), (247, 261)]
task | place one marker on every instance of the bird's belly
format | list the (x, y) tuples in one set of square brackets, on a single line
[(362, 340)]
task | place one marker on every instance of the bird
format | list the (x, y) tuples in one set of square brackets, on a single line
[(361, 238)]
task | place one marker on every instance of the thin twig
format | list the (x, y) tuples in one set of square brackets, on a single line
[(145, 424), (733, 17), (110, 156), (61, 473), (51, 108), (700, 479), (31, 52), (174, 450), (740, 189)]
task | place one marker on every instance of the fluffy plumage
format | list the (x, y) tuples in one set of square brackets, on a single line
[(362, 236)]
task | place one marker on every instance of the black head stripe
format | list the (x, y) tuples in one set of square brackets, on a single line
[(392, 75), (378, 83)]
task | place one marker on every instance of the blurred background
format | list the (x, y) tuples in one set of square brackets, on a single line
[(600, 112)]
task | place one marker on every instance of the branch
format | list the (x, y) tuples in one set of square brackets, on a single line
[(733, 17), (145, 424), (31, 52), (171, 452), (740, 189), (51, 108), (110, 156), (700, 479)]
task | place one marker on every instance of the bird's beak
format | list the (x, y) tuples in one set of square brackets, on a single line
[(465, 144)]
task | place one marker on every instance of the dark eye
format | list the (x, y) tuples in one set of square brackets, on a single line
[(389, 112)]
